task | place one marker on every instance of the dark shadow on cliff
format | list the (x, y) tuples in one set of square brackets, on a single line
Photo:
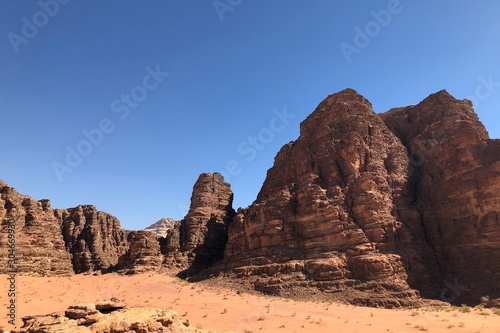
[(211, 251)]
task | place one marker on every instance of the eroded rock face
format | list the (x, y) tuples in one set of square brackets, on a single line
[(203, 232), (58, 241), (95, 239), (39, 247), (454, 175), (345, 208), (143, 254), (329, 201), (83, 239)]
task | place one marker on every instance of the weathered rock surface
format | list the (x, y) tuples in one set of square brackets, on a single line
[(381, 209), (454, 175), (94, 238), (143, 253), (58, 241), (83, 239), (161, 227), (93, 318), (39, 246), (203, 232), (343, 209)]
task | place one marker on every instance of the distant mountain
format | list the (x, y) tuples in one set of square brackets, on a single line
[(161, 227)]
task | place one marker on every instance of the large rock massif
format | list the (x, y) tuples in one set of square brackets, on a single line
[(326, 214), (388, 204), (379, 209)]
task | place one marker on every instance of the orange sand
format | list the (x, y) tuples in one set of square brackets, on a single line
[(220, 309)]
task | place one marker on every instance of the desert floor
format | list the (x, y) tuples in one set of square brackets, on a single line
[(220, 309)]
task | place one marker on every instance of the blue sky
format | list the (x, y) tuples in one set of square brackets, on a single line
[(170, 89)]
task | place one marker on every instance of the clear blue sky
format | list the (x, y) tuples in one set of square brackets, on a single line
[(231, 70)]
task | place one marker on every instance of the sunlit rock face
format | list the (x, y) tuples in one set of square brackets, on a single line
[(383, 203)]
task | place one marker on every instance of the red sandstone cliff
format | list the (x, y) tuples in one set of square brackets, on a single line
[(346, 207), (378, 209)]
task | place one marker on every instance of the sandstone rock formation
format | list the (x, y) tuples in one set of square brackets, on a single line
[(95, 239), (58, 241), (377, 209), (39, 246), (454, 176), (107, 317), (162, 226), (82, 239), (202, 234), (343, 207), (143, 253)]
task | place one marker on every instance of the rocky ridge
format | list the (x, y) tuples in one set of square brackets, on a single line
[(83, 239), (380, 209), (67, 241)]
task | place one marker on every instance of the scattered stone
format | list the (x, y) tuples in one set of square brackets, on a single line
[(123, 320)]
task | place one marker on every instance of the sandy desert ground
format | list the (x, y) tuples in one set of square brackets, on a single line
[(221, 309)]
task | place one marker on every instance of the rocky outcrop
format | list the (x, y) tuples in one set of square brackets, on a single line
[(143, 254), (329, 202), (95, 239), (83, 239), (58, 241), (39, 246), (203, 232), (345, 208), (161, 227), (454, 176), (107, 317), (380, 209)]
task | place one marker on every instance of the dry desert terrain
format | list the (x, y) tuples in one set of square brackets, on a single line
[(220, 309)]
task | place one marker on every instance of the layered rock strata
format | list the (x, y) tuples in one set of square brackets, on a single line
[(39, 247), (202, 235), (344, 208), (57, 241), (454, 177), (95, 239)]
